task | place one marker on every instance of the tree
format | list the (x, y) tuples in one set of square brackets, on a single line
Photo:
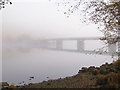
[(105, 14), (3, 2)]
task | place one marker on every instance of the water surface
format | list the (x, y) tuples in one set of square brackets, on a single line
[(21, 63)]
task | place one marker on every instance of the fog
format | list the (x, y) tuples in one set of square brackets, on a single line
[(0, 47), (24, 24), (42, 20)]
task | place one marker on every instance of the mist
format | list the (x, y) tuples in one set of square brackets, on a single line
[(25, 23), (42, 20)]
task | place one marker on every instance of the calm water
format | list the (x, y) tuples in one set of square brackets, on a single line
[(21, 63)]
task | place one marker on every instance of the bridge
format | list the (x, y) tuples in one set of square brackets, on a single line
[(57, 44)]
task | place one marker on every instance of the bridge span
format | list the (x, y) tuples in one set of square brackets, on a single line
[(58, 45)]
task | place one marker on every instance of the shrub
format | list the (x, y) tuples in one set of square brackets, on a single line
[(110, 80), (95, 71), (84, 69)]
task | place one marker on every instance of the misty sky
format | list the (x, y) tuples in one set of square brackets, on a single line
[(40, 19)]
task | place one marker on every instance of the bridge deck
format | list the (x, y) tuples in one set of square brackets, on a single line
[(74, 38), (80, 45)]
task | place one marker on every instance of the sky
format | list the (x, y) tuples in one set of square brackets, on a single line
[(41, 19)]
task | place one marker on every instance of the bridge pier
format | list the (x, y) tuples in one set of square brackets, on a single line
[(59, 44), (80, 45)]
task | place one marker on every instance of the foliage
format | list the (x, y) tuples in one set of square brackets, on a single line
[(3, 2), (103, 69), (110, 80), (93, 70), (12, 86), (4, 84), (117, 65)]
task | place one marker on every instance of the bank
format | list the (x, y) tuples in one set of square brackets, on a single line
[(105, 76)]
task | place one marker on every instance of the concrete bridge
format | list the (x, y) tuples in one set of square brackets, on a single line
[(57, 44)]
